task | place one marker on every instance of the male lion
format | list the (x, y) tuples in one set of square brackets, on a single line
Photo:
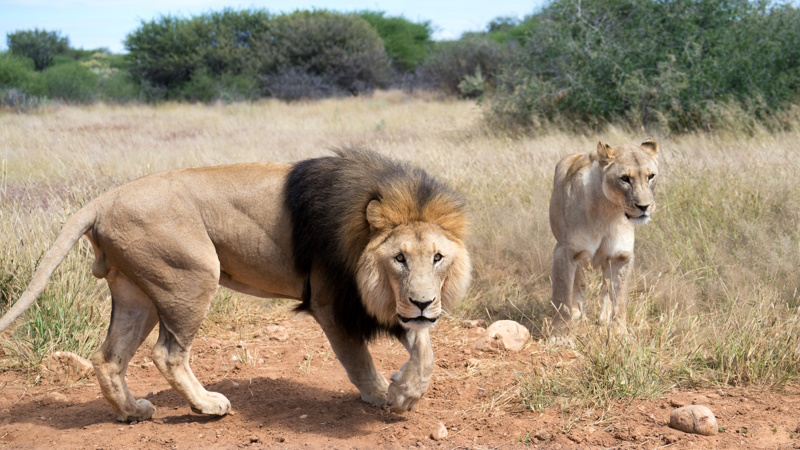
[(598, 198), (369, 246)]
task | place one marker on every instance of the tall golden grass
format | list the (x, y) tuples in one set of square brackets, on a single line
[(715, 297)]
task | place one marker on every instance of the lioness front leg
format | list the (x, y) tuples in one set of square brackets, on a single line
[(564, 267), (616, 274), (411, 382)]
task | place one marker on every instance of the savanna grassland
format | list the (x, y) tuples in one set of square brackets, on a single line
[(715, 301)]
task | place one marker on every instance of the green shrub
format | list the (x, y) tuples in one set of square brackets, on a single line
[(70, 82), (118, 87), (321, 53), (15, 71), (39, 45), (407, 43), (473, 56), (664, 65)]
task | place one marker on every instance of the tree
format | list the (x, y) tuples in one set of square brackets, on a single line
[(39, 45)]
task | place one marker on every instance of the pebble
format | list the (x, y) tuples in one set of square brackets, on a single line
[(439, 433), (697, 419)]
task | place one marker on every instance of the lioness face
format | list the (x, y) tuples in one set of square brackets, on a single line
[(630, 175)]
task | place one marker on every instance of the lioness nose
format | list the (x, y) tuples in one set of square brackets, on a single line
[(643, 207), (420, 305)]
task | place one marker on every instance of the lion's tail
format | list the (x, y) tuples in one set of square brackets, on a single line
[(75, 227)]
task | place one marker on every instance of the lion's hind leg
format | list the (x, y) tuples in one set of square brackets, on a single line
[(183, 298), (133, 316)]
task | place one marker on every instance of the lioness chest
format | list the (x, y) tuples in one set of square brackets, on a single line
[(584, 221)]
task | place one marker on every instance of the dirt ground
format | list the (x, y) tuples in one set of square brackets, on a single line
[(294, 394)]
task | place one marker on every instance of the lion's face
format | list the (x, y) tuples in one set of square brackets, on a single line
[(629, 178), (409, 272)]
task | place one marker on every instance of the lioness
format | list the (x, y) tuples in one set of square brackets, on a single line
[(598, 198), (368, 245)]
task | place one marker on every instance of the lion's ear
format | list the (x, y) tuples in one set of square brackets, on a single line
[(375, 215), (605, 153), (650, 146)]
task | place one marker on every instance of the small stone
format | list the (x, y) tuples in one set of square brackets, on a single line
[(304, 417), (57, 397), (232, 383), (276, 333), (670, 438), (66, 367), (543, 435), (697, 419), (439, 433), (475, 323), (503, 335)]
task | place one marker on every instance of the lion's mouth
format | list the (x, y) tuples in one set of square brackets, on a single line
[(418, 319)]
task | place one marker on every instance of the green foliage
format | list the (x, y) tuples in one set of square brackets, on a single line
[(473, 56), (407, 43), (232, 54), (662, 65), (39, 45), (321, 53), (70, 82)]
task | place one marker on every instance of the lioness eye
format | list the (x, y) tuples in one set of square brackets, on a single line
[(400, 258), (651, 176), (437, 257), (625, 179)]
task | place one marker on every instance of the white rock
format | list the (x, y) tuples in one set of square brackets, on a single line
[(439, 433), (57, 397), (503, 335), (697, 419), (66, 367), (277, 333)]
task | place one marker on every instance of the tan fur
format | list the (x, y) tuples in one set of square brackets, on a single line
[(597, 199), (164, 242)]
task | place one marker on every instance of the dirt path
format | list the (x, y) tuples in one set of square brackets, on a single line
[(294, 394)]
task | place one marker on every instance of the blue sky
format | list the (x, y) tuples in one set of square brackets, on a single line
[(104, 23)]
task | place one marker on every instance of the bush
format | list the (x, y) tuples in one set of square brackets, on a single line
[(407, 43), (70, 82), (241, 54), (39, 45), (328, 53), (593, 61), (473, 56), (118, 87)]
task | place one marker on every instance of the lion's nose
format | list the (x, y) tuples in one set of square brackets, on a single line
[(643, 207), (420, 305)]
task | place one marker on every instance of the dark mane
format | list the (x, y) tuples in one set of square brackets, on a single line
[(328, 199)]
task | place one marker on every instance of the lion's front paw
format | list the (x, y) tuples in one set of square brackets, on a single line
[(144, 411), (376, 397), (404, 394), (214, 404)]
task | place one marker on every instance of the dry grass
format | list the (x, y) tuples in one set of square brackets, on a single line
[(715, 297)]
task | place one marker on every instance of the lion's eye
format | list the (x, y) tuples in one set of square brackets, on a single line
[(651, 176), (625, 179), (437, 257), (400, 258)]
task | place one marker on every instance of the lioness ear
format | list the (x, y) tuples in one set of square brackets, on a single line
[(374, 215), (605, 153), (650, 146)]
